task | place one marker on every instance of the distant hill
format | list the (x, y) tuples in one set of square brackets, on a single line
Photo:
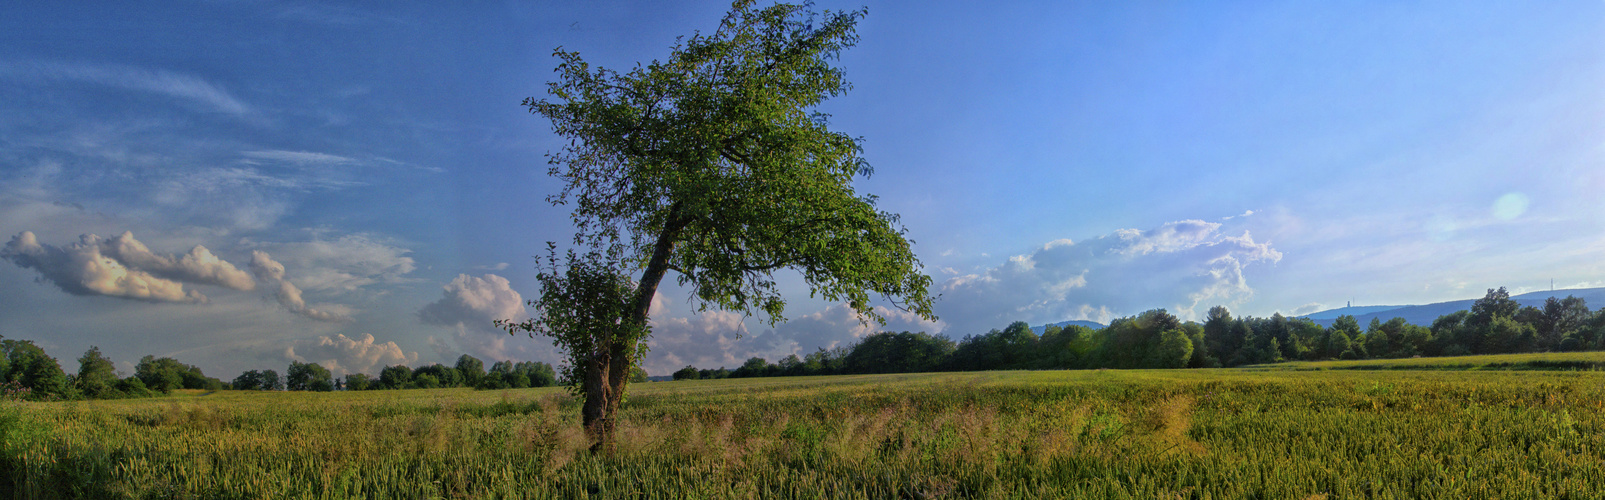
[(1089, 324), (1351, 311), (1424, 315)]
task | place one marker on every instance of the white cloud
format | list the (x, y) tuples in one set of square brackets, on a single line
[(300, 157), (839, 325), (1245, 213), (198, 266), (708, 339), (1180, 266), (1170, 237), (475, 301), (186, 87), (288, 295), (81, 269), (714, 338), (468, 307), (1307, 309), (342, 355), (125, 267)]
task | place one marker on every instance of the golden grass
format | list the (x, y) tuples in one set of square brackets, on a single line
[(1088, 434)]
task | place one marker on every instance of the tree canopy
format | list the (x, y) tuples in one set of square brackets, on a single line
[(717, 160)]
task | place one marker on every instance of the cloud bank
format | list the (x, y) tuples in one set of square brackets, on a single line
[(1183, 266), (342, 355), (711, 339), (124, 267)]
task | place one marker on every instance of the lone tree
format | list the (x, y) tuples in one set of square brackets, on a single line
[(716, 165)]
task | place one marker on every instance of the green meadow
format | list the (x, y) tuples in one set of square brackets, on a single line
[(1296, 431)]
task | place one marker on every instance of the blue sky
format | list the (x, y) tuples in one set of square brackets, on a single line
[(366, 189)]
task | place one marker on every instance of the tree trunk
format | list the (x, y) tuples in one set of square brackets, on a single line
[(597, 414), (609, 382)]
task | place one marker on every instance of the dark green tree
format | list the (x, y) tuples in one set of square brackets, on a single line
[(904, 352), (160, 374), (28, 365), (445, 376), (539, 374), (687, 373), (1496, 304), (357, 382), (1561, 318), (271, 381), (97, 376), (251, 380), (308, 377), (395, 377), (425, 380), (471, 369), (754, 367)]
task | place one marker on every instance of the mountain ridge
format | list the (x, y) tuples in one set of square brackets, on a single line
[(1425, 314)]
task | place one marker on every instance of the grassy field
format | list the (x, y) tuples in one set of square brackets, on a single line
[(1527, 361), (1079, 434)]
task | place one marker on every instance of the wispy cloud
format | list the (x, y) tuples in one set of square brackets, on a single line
[(342, 263), (300, 157), (271, 272), (189, 88)]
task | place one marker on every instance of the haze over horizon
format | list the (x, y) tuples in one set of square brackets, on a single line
[(358, 185)]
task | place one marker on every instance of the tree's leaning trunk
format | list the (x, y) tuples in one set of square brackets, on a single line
[(620, 353), (598, 397), (618, 374)]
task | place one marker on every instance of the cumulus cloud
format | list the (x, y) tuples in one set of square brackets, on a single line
[(475, 301), (342, 355), (198, 266), (81, 269), (1181, 266), (271, 272), (714, 338), (125, 267), (469, 306), (707, 339)]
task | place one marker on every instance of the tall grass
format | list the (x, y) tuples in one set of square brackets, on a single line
[(1088, 434), (1594, 360)]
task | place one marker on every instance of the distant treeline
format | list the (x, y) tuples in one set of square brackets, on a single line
[(1495, 324), (468, 372), (26, 372)]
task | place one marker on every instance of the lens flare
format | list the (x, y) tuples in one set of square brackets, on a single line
[(1510, 206)]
